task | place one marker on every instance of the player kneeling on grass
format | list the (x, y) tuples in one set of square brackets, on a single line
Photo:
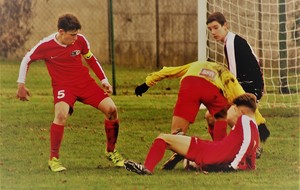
[(71, 81), (237, 151)]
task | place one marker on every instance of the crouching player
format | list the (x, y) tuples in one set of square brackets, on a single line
[(237, 151)]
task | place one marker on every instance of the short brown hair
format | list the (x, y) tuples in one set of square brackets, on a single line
[(247, 99), (68, 22), (216, 16)]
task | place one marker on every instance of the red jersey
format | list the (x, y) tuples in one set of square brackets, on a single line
[(237, 149), (64, 62)]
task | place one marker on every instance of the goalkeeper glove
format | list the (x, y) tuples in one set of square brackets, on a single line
[(264, 132), (139, 90)]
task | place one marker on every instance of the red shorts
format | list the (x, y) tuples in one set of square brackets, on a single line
[(89, 93), (207, 153), (194, 91)]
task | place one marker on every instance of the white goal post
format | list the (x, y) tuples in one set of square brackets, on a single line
[(272, 28)]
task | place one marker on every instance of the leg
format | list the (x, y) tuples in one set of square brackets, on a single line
[(96, 97), (108, 107), (220, 129), (210, 123), (57, 127), (186, 109), (188, 103), (177, 143), (217, 125), (61, 113), (179, 124), (111, 125), (220, 125), (56, 135)]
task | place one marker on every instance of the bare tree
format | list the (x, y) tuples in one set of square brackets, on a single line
[(15, 25)]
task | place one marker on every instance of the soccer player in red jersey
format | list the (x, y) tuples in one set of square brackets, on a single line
[(237, 151), (71, 82)]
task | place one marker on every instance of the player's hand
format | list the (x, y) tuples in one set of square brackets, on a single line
[(107, 87), (139, 90), (22, 93)]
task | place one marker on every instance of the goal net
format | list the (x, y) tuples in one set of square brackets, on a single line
[(272, 28)]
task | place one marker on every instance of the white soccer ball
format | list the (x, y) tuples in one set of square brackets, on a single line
[(190, 165)]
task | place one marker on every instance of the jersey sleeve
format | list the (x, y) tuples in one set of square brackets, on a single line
[(92, 61), (166, 72), (36, 53), (249, 72)]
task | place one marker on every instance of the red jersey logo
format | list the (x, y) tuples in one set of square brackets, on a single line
[(75, 52)]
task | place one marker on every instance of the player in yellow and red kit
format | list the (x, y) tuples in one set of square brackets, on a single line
[(201, 82), (71, 82)]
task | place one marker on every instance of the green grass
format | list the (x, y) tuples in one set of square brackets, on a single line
[(24, 143)]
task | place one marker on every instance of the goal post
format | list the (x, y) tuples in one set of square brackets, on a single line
[(202, 30), (272, 28)]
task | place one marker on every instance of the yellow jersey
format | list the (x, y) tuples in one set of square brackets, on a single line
[(215, 73)]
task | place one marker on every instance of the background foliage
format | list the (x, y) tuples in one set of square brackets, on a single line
[(15, 17)]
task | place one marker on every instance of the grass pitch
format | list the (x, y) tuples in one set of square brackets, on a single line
[(24, 143)]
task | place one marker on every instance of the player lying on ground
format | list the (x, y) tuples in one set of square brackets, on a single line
[(71, 81), (237, 151)]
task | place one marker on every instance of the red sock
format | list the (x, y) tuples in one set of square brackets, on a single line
[(56, 135), (155, 154), (220, 130), (112, 130)]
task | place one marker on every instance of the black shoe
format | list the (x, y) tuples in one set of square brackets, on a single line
[(171, 163), (137, 168), (264, 132)]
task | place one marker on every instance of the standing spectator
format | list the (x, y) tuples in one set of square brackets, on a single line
[(71, 82), (242, 62)]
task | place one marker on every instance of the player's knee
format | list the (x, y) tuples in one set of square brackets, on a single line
[(61, 118), (178, 130), (162, 136), (111, 112)]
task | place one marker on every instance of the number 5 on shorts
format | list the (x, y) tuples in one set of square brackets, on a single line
[(60, 94)]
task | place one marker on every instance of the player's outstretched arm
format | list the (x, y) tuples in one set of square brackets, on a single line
[(166, 72), (22, 92)]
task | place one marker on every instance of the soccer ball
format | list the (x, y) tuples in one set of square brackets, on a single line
[(190, 165)]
